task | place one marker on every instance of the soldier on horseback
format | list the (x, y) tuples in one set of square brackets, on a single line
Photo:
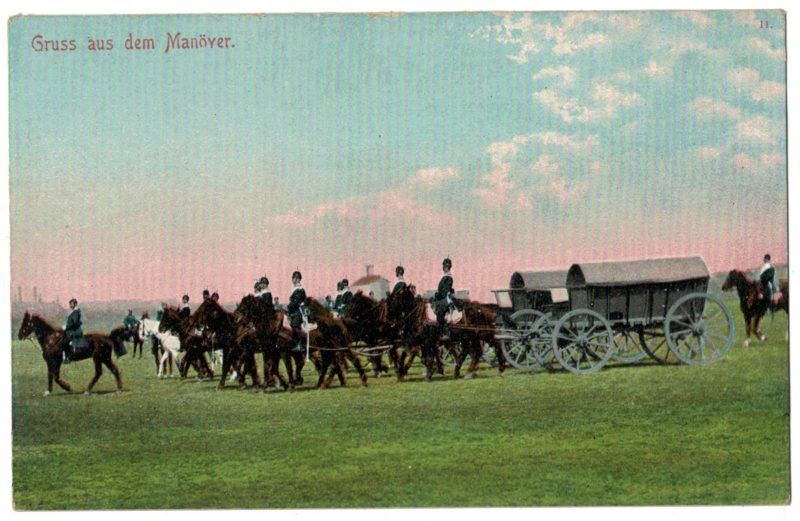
[(296, 300), (185, 311), (206, 295), (73, 334), (347, 297), (130, 323), (767, 277), (338, 302), (262, 291), (400, 284), (443, 298)]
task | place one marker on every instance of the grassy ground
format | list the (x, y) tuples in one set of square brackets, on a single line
[(644, 435)]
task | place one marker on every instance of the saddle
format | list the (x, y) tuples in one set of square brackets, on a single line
[(77, 343), (453, 315), (306, 327)]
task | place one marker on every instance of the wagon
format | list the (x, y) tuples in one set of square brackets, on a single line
[(662, 303), (531, 302)]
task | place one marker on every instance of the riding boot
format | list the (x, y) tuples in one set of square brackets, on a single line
[(298, 342), (65, 352)]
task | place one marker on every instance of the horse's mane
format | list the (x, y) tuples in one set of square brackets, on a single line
[(322, 314)]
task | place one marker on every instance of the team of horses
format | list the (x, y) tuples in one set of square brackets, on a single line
[(399, 327)]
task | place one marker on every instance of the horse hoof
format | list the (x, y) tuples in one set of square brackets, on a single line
[(762, 338), (746, 344), (87, 393), (46, 394)]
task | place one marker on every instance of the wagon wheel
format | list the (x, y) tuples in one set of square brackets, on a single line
[(542, 343), (656, 347), (583, 341), (628, 349), (519, 350), (699, 329)]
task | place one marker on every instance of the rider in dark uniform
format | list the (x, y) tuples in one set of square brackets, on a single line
[(767, 277), (130, 323), (347, 296), (441, 299), (400, 284), (262, 291), (72, 329), (206, 295), (296, 299), (337, 303), (185, 311)]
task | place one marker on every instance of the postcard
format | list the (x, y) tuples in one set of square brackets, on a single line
[(514, 259)]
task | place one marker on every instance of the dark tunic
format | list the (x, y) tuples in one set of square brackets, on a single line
[(129, 321), (297, 297), (267, 298), (445, 287), (398, 287), (72, 329), (185, 312)]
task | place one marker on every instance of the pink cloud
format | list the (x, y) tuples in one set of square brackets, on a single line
[(773, 159), (758, 129), (743, 162), (431, 177), (750, 81), (707, 108), (764, 47), (695, 17)]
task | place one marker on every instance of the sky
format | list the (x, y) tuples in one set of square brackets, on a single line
[(325, 143)]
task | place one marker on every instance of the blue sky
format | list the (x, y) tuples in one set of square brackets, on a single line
[(329, 142)]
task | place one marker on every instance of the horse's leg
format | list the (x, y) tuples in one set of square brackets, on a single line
[(98, 370), (475, 352), (323, 368), (501, 359), (338, 369), (287, 363), (352, 354), (161, 363), (299, 362), (115, 371)]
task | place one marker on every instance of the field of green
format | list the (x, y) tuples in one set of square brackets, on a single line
[(644, 435)]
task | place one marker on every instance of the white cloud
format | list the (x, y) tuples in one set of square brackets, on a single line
[(763, 46), (743, 162), (707, 108), (773, 158), (567, 109), (695, 17), (758, 129), (708, 153), (655, 70), (750, 81), (431, 177), (564, 73), (607, 100)]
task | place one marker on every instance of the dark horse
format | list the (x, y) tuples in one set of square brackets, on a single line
[(407, 315), (98, 347), (332, 340), (273, 340), (238, 342), (753, 307), (367, 321), (191, 343)]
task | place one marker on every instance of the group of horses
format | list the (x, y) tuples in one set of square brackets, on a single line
[(399, 326)]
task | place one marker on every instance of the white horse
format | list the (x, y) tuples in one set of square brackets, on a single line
[(169, 342)]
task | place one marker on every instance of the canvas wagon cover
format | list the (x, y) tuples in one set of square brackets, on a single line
[(538, 280), (627, 273)]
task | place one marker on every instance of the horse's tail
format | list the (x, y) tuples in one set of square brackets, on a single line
[(117, 336)]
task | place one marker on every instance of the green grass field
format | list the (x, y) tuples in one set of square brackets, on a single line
[(645, 435)]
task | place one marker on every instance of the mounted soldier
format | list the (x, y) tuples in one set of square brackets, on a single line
[(130, 323), (347, 297), (206, 295), (185, 311), (294, 310), (767, 277), (443, 298), (400, 284), (262, 291), (73, 334)]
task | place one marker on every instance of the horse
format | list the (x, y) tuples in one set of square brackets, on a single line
[(367, 321), (191, 343), (274, 340), (332, 339), (477, 327), (407, 315), (238, 343), (169, 343), (754, 308), (98, 347), (136, 336)]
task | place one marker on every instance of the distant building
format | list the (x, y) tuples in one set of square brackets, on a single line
[(376, 284)]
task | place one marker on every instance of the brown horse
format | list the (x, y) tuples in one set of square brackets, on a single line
[(98, 347), (191, 343), (367, 321), (753, 307), (332, 340), (274, 340), (408, 317), (477, 327)]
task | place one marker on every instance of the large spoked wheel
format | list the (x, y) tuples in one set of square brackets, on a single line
[(628, 349), (583, 341), (542, 342), (655, 345), (519, 350), (699, 329)]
